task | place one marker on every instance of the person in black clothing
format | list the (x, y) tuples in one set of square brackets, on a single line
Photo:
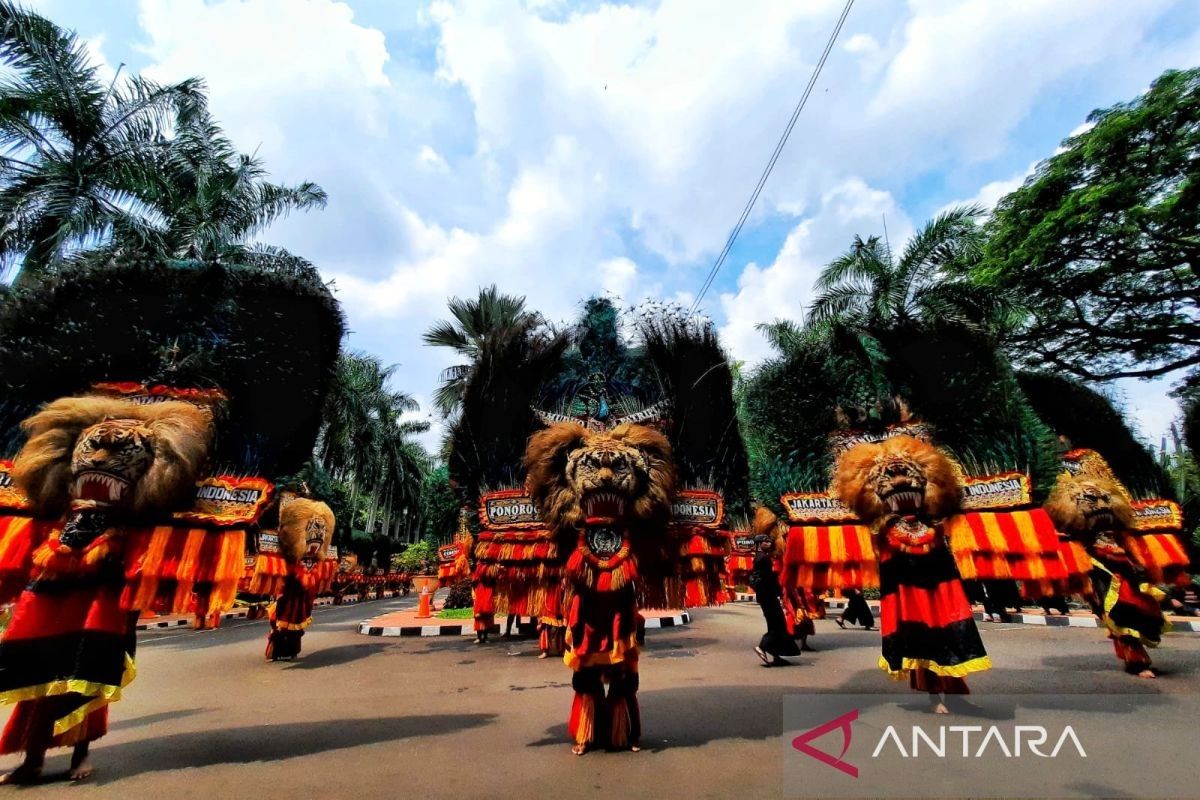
[(857, 611), (776, 642)]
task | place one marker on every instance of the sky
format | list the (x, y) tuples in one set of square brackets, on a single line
[(563, 150)]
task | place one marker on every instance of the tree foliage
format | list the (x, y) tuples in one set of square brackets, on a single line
[(1100, 245), (1083, 417), (269, 339), (474, 324), (78, 151), (439, 505), (365, 443), (917, 326)]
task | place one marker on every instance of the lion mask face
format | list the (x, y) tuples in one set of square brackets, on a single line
[(1088, 506), (112, 452), (305, 529), (619, 477), (109, 459), (898, 476)]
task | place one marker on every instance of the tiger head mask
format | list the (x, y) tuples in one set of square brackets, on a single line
[(900, 476), (305, 528), (112, 453), (1084, 506), (623, 477)]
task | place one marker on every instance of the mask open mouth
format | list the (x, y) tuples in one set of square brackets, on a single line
[(905, 500), (604, 506), (1101, 519), (101, 487)]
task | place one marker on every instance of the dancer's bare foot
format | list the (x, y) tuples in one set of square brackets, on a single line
[(544, 655), (579, 749), (81, 768), (22, 775), (1147, 673), (635, 748), (940, 708)]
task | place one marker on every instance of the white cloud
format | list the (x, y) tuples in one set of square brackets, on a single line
[(618, 276), (991, 193), (1149, 405), (431, 160), (861, 43), (783, 289), (967, 72), (545, 135)]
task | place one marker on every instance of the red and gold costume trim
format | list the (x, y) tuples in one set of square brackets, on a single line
[(517, 562), (291, 614), (926, 620), (1154, 541), (698, 527), (69, 638), (828, 549)]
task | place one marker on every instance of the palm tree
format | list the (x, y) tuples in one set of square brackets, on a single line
[(867, 289), (76, 153), (366, 443), (474, 321), (215, 200)]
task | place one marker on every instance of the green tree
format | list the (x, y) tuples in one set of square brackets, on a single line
[(215, 200), (78, 151), (866, 288), (917, 326), (1101, 243), (419, 557), (365, 442), (439, 505), (474, 320)]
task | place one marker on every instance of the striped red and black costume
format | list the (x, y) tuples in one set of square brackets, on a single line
[(604, 631), (1126, 603), (292, 612), (928, 627), (68, 650)]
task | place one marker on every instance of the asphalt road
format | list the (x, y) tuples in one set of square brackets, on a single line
[(362, 717)]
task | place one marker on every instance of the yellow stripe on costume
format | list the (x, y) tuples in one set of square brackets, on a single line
[(623, 650), (101, 693), (954, 671), (997, 543)]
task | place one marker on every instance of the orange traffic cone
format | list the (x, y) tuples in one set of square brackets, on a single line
[(423, 608)]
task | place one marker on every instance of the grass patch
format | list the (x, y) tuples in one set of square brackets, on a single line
[(456, 613)]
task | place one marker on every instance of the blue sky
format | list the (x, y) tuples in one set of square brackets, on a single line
[(561, 149)]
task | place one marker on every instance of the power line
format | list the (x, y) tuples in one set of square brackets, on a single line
[(812, 82)]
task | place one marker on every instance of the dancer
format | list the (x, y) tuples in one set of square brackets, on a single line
[(94, 469), (776, 642), (1094, 511), (905, 489), (552, 636), (857, 612), (610, 491), (305, 530)]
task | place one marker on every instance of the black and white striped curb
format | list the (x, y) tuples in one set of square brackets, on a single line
[(468, 628), (1176, 625), (351, 599), (241, 613), (151, 624)]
